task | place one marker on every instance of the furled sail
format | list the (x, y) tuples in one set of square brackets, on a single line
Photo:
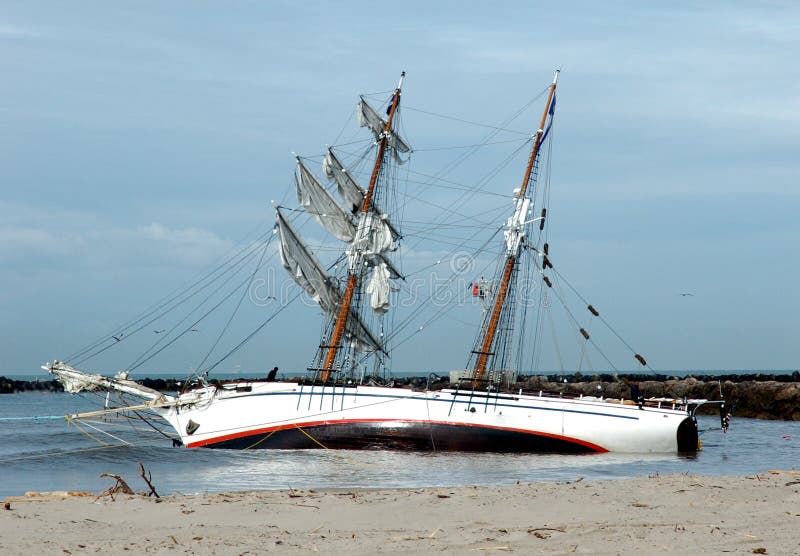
[(322, 206), (378, 289), (349, 190), (393, 271), (382, 239), (367, 117), (307, 271), (373, 238)]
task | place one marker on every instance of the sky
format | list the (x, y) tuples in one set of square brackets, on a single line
[(142, 141)]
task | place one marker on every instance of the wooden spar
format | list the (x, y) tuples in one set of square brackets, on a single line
[(366, 206), (538, 141), (338, 329), (502, 291), (483, 355)]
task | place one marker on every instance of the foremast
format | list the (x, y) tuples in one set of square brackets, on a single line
[(356, 257), (514, 236)]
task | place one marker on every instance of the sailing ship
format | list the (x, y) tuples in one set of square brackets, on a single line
[(338, 407)]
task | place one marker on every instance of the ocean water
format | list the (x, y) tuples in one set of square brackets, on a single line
[(51, 454)]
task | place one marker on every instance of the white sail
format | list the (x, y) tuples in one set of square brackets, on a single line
[(378, 289), (394, 273), (322, 206), (367, 117), (373, 239), (348, 188), (382, 239), (306, 270)]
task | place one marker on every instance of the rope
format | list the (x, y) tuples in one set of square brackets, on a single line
[(125, 442), (148, 423), (417, 311), (496, 128), (320, 444), (253, 333), (164, 302), (334, 452), (452, 185), (467, 146), (238, 305), (64, 452), (620, 338), (71, 421), (149, 354), (34, 418), (260, 441)]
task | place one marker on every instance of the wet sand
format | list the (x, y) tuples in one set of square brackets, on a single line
[(677, 514)]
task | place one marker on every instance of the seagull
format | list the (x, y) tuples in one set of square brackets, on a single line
[(686, 294), (194, 330), (159, 331), (118, 338)]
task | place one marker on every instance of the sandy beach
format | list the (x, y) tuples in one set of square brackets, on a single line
[(677, 514)]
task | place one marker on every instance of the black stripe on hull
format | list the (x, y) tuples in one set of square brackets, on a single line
[(406, 436)]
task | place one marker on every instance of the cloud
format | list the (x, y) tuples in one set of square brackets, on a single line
[(42, 238), (20, 242), (191, 246), (21, 32)]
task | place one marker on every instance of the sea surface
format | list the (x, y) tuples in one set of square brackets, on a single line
[(48, 453)]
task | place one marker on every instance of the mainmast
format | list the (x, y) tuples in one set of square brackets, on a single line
[(514, 237), (354, 271)]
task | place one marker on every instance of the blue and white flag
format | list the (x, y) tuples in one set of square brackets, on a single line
[(391, 102), (552, 111)]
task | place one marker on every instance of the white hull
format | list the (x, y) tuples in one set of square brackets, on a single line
[(292, 415)]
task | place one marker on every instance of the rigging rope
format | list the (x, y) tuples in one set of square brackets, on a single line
[(174, 302), (431, 149), (63, 452), (575, 322), (594, 312), (142, 359), (238, 305), (478, 124), (169, 298), (420, 307), (252, 334)]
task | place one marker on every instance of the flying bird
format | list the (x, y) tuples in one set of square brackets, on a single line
[(119, 337), (686, 294), (159, 331)]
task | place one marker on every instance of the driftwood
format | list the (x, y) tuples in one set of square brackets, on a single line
[(119, 486), (122, 487), (147, 480)]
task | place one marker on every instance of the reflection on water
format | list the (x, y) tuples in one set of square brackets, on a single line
[(51, 455)]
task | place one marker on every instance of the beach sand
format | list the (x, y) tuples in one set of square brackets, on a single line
[(675, 514)]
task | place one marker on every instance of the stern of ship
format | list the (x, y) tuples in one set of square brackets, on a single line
[(687, 435)]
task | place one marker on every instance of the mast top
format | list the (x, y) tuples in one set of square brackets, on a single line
[(555, 77), (402, 76)]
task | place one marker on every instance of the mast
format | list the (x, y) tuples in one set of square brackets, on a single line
[(355, 267), (513, 242)]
